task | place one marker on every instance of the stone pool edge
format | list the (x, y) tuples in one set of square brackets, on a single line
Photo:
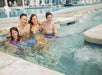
[(10, 65), (93, 35)]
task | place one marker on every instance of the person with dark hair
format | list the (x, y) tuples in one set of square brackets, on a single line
[(48, 13), (14, 38), (24, 27), (49, 26), (22, 15), (35, 25), (36, 28)]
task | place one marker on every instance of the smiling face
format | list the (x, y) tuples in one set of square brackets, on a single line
[(23, 20), (49, 18), (34, 19), (14, 34)]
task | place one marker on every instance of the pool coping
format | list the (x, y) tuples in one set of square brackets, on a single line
[(10, 65)]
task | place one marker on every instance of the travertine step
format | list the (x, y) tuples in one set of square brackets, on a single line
[(94, 35), (10, 65)]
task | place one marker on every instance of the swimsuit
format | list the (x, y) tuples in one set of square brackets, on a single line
[(14, 42), (25, 44), (49, 35)]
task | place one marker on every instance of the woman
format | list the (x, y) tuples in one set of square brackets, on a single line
[(36, 28), (35, 25)]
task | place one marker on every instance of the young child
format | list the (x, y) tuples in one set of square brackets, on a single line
[(14, 38), (49, 26)]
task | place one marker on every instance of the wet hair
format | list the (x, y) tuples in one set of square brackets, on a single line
[(11, 37), (30, 20), (23, 15), (48, 13)]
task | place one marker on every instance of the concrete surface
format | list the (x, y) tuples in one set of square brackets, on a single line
[(94, 35), (10, 65)]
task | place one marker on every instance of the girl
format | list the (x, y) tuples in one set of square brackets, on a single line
[(14, 38)]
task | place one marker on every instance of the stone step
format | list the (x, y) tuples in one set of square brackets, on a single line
[(94, 35), (10, 65)]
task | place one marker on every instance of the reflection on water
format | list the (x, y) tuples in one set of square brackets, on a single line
[(69, 53)]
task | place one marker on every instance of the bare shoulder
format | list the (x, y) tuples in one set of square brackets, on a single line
[(44, 22), (40, 23), (52, 23), (27, 26), (18, 27)]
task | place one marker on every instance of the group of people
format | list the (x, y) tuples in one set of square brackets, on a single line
[(41, 31)]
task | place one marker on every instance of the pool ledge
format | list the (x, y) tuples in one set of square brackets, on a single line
[(94, 35), (10, 65)]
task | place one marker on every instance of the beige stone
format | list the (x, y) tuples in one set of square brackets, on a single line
[(94, 35), (10, 65)]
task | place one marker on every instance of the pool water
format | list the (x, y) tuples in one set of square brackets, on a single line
[(41, 10), (69, 53), (28, 11)]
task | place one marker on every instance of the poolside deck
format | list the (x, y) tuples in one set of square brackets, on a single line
[(10, 65)]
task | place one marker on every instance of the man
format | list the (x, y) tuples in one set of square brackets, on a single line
[(24, 27), (49, 27)]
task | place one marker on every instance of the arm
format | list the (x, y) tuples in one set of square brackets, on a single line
[(43, 27), (54, 29), (27, 29)]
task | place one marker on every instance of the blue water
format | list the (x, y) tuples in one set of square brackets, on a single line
[(43, 10), (28, 11), (70, 54)]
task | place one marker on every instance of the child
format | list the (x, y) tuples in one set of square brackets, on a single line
[(14, 38), (49, 27)]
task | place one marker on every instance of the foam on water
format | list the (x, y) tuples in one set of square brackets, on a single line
[(88, 55)]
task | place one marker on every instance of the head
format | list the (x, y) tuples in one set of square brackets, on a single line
[(23, 19), (49, 16), (14, 33), (33, 19)]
